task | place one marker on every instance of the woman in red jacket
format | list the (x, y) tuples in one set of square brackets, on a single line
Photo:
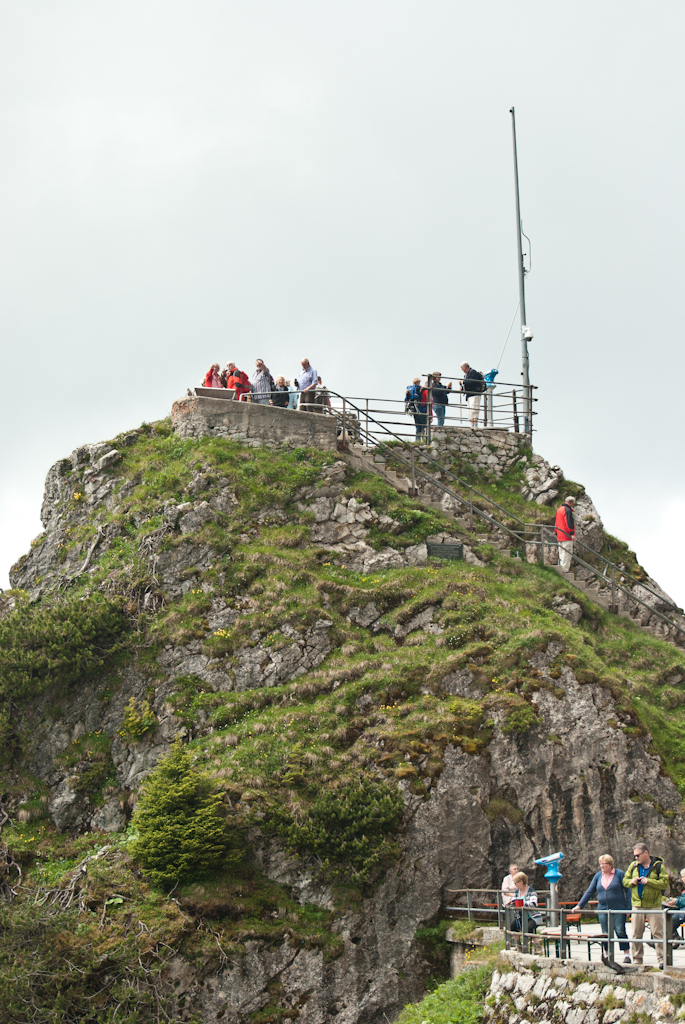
[(213, 377)]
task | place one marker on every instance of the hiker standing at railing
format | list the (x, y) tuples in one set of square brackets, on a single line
[(473, 386), (416, 403), (440, 398), (306, 385), (607, 886), (262, 384), (565, 528), (647, 881)]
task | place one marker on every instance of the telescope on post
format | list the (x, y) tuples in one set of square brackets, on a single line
[(553, 874)]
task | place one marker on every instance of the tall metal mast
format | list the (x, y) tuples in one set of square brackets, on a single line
[(525, 333)]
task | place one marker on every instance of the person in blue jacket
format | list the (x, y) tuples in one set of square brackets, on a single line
[(607, 887)]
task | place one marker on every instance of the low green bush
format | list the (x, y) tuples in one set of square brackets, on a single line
[(460, 1001), (352, 826), (181, 832)]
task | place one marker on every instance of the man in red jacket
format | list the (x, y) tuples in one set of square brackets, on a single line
[(566, 531)]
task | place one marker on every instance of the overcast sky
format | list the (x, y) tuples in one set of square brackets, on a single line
[(190, 182)]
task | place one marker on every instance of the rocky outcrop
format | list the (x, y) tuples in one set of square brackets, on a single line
[(570, 781)]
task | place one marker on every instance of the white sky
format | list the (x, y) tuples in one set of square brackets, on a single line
[(185, 182)]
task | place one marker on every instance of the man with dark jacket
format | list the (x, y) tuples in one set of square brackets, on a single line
[(440, 397), (647, 881), (565, 528), (473, 386)]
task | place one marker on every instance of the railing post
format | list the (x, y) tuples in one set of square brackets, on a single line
[(469, 905), (429, 409), (562, 935), (507, 926), (610, 934), (344, 430), (413, 476), (516, 415), (668, 938), (542, 545), (499, 909), (613, 589), (470, 508), (367, 421)]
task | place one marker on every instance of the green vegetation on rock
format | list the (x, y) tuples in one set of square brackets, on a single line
[(180, 832), (459, 1001)]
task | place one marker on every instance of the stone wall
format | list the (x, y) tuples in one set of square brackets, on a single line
[(252, 424), (529, 988)]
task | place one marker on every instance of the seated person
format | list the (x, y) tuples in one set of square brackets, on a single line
[(280, 395), (213, 377), (529, 896), (678, 902)]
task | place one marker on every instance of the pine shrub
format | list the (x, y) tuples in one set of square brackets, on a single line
[(181, 832), (352, 826)]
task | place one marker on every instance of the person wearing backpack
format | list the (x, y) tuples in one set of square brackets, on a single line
[(647, 881), (473, 386), (416, 404), (237, 380)]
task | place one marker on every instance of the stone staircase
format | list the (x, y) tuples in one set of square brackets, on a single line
[(364, 459)]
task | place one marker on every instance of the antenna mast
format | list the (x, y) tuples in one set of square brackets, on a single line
[(526, 334)]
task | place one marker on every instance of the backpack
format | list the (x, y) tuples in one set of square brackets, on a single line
[(479, 385), (412, 398)]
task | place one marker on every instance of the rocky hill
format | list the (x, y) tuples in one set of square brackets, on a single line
[(367, 726)]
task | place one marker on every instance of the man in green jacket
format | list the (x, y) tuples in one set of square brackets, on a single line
[(647, 879)]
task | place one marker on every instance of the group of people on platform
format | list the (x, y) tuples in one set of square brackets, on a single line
[(422, 402), (306, 392), (642, 886)]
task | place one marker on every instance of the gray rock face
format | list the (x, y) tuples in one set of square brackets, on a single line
[(110, 817), (573, 792)]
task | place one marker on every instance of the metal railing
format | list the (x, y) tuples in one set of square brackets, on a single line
[(520, 929), (497, 907), (499, 409)]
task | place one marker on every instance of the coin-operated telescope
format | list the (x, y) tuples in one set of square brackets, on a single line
[(553, 874)]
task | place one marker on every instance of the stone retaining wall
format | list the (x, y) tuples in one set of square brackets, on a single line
[(252, 424), (528, 988)]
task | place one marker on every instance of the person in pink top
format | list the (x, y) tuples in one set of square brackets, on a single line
[(213, 377)]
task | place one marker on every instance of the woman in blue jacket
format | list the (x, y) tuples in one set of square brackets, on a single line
[(607, 887)]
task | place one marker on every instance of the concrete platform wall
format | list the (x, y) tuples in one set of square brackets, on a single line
[(252, 424)]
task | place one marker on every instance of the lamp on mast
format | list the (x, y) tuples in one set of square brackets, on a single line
[(526, 333)]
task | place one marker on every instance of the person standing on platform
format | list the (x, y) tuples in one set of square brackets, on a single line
[(306, 385), (262, 384), (440, 398), (473, 386), (647, 881)]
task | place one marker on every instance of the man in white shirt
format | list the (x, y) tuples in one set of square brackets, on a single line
[(509, 888), (306, 385)]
